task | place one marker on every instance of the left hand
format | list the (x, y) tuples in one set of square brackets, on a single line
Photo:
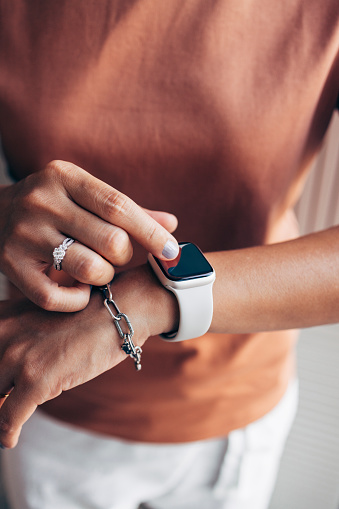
[(43, 353), (63, 200)]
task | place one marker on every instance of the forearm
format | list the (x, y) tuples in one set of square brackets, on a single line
[(289, 285)]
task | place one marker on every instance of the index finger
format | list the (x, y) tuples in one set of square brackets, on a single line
[(116, 208)]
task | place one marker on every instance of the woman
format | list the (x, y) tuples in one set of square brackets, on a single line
[(214, 112)]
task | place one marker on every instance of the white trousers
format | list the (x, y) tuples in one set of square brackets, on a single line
[(56, 466)]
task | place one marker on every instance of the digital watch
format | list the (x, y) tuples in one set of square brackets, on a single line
[(190, 277)]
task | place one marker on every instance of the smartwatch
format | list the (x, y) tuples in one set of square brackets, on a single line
[(190, 277)]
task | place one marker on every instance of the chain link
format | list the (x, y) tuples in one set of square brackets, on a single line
[(127, 346)]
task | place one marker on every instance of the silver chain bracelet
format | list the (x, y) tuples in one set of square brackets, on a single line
[(127, 346)]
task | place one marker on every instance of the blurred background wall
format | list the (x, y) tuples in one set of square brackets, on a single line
[(309, 472)]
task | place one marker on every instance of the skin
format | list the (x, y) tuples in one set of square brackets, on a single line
[(287, 285), (64, 200), (43, 352)]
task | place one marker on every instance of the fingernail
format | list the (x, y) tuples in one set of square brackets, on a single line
[(171, 250)]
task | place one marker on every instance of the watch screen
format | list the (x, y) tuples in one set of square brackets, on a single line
[(190, 263)]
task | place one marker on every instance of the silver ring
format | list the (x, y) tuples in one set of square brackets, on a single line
[(60, 251)]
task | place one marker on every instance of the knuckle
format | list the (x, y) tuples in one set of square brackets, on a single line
[(116, 204), (90, 269), (12, 356), (58, 172), (118, 244), (152, 231), (32, 199), (6, 426), (29, 194), (45, 299), (55, 168), (34, 195), (30, 374), (20, 231)]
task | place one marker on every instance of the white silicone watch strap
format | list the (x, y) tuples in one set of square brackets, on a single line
[(196, 312)]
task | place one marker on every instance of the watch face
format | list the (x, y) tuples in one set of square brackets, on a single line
[(189, 264)]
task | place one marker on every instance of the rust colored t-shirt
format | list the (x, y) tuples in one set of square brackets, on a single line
[(211, 110)]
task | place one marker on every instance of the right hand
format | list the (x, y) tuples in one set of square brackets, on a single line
[(61, 201)]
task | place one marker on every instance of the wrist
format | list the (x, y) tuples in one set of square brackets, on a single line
[(190, 278), (152, 309)]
